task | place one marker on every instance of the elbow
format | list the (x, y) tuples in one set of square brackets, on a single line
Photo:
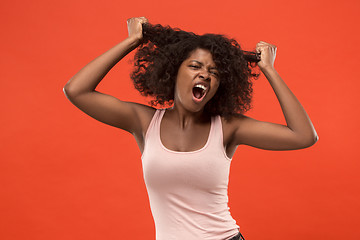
[(310, 141), (69, 91), (315, 139), (66, 91), (67, 88), (72, 91)]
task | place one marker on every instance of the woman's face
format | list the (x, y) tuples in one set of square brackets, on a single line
[(197, 80)]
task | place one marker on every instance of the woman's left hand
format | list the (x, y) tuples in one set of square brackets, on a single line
[(268, 54)]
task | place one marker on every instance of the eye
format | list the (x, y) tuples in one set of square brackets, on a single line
[(194, 66), (215, 73)]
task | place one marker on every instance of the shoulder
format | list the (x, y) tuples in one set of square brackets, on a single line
[(232, 123), (144, 112), (230, 126), (144, 115)]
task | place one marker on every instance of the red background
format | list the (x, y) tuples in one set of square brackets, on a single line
[(64, 175)]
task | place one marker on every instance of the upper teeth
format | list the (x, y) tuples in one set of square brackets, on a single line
[(200, 86)]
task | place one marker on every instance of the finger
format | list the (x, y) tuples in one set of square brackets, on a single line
[(142, 19), (264, 45), (271, 45), (261, 44), (131, 20), (258, 49)]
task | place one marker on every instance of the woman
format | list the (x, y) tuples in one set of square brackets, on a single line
[(187, 148)]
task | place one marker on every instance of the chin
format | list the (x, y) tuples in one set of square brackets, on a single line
[(197, 107)]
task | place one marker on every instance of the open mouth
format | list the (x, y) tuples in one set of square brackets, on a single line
[(199, 91)]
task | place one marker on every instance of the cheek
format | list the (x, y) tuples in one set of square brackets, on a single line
[(214, 88), (213, 91), (216, 85), (180, 89)]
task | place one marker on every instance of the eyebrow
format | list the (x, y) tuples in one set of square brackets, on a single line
[(203, 64)]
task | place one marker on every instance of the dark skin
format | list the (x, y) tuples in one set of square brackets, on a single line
[(186, 119)]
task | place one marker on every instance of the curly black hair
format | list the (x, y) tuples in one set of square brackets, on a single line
[(162, 51)]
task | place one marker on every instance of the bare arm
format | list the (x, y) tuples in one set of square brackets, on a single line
[(299, 132), (80, 89)]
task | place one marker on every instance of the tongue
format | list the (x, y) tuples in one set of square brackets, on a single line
[(197, 92)]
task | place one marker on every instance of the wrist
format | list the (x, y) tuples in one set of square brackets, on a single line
[(134, 41), (267, 69)]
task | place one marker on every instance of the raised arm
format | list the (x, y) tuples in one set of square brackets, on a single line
[(80, 89), (299, 131)]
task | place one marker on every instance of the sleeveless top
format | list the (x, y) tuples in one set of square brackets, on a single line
[(188, 190)]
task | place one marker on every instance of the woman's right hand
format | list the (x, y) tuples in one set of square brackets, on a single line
[(135, 27)]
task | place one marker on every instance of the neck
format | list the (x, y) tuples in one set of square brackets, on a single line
[(185, 118)]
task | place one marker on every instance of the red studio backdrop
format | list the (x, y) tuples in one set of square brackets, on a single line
[(64, 175)]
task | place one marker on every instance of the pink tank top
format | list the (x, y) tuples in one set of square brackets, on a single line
[(188, 190)]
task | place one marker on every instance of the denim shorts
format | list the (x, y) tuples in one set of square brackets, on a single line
[(239, 236)]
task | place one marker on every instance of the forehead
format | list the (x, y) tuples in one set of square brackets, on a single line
[(201, 55)]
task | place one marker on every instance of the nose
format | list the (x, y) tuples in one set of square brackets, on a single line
[(205, 75)]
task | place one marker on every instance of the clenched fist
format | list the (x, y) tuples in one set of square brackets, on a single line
[(135, 27), (267, 53)]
